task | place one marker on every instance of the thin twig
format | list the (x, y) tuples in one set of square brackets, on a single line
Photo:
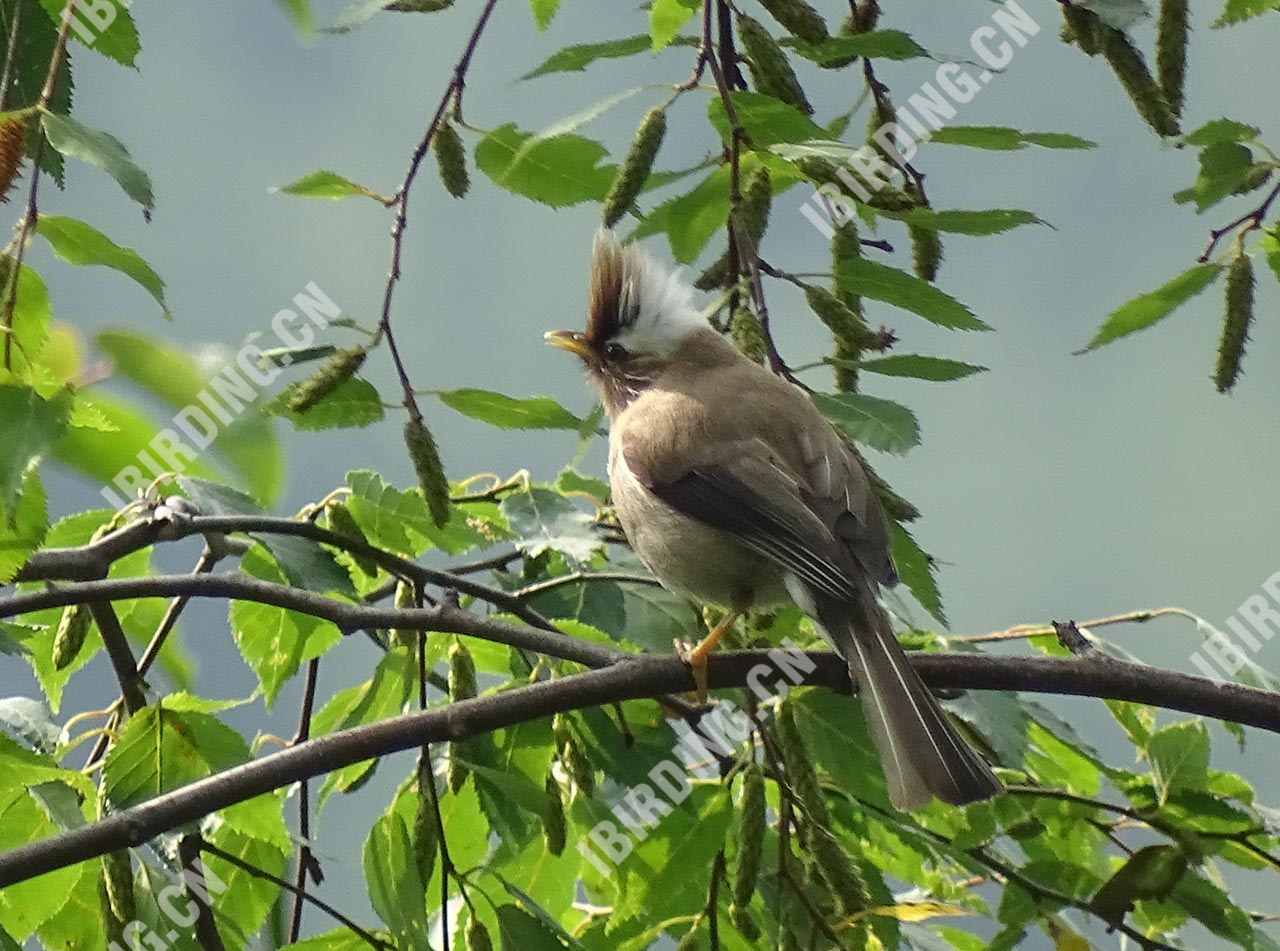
[(307, 864), (1253, 220)]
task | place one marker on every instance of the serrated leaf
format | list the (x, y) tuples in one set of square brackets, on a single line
[(29, 427), (1147, 309), (384, 513), (80, 243), (880, 424), (326, 184), (1237, 11), (893, 286), (874, 44), (543, 519), (666, 17), (973, 223), (1179, 755), (921, 367), (394, 885), (519, 929), (116, 40), (577, 58), (1150, 872), (767, 120), (1003, 138), (506, 412), (78, 141), (916, 570), (353, 404), (23, 528), (1221, 130), (1224, 166), (557, 170)]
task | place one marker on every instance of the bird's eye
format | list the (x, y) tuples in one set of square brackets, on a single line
[(615, 352)]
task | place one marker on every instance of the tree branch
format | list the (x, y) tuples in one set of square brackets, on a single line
[(629, 679)]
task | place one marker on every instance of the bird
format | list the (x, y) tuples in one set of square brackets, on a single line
[(733, 489)]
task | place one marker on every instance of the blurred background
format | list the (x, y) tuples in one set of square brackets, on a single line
[(1053, 486)]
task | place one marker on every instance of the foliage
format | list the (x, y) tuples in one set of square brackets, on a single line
[(501, 837)]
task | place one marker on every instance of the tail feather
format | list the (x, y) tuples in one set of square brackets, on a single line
[(922, 753)]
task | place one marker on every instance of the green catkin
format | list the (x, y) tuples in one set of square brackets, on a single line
[(339, 368), (801, 774), (750, 837), (747, 333), (73, 628), (797, 18), (847, 328), (635, 169), (419, 6), (1081, 26), (478, 936), (117, 877), (846, 246), (926, 251), (753, 212), (769, 65), (743, 921), (405, 599), (462, 686), (839, 871), (12, 149), (426, 463), (573, 759), (554, 826), (1131, 69), (451, 157), (1171, 52), (340, 521), (1235, 323), (426, 836)]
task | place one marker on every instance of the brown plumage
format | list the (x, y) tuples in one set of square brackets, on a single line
[(734, 489)]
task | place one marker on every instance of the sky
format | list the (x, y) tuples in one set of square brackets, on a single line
[(1052, 486)]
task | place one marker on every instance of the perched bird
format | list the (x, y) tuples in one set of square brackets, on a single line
[(733, 489)]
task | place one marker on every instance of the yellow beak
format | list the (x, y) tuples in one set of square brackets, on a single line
[(571, 340)]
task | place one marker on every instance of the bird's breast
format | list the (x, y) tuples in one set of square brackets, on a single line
[(689, 556)]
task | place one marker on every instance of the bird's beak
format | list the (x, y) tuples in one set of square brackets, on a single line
[(571, 340)]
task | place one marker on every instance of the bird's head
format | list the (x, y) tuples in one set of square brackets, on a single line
[(638, 316)]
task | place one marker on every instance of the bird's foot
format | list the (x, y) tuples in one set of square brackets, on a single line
[(696, 656)]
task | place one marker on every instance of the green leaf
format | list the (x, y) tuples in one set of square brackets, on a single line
[(920, 367), (666, 17), (1003, 138), (543, 519), (325, 184), (1223, 168), (519, 929), (79, 243), (78, 141), (766, 120), (557, 170), (543, 12), (916, 570), (161, 749), (1214, 909), (395, 887), (21, 535), (385, 513), (690, 219), (505, 412), (1150, 872), (299, 14), (118, 40), (578, 58), (248, 898), (973, 223), (1147, 309), (31, 315), (1237, 11), (275, 642), (1179, 756), (875, 44), (27, 905), (173, 375), (1222, 130), (353, 404), (893, 286), (29, 427), (880, 424)]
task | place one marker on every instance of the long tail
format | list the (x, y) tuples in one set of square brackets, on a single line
[(922, 754)]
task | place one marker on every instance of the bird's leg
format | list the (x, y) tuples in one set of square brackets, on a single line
[(696, 657)]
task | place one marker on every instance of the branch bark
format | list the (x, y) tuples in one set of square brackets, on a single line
[(628, 679)]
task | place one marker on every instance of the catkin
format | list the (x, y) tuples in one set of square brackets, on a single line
[(12, 148), (1131, 69), (73, 627), (554, 825), (1171, 52), (1081, 26), (339, 368), (426, 836), (340, 521), (478, 936), (750, 838), (769, 66), (801, 774), (747, 333), (797, 18), (572, 757), (839, 871), (926, 251), (405, 598), (1235, 323), (451, 157), (117, 876), (426, 463), (753, 212), (462, 686), (635, 169)]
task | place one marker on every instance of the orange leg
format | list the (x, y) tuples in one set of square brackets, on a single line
[(697, 657)]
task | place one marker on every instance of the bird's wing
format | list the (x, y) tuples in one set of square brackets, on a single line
[(753, 497)]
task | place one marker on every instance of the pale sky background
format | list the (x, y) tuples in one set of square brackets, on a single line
[(1052, 487)]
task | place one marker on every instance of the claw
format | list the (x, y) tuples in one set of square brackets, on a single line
[(698, 657)]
